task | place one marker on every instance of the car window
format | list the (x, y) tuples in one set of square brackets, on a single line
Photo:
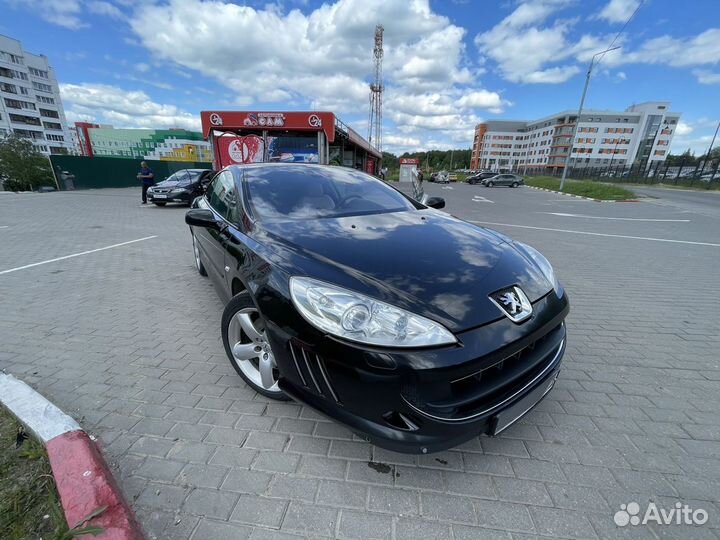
[(311, 192), (223, 196)]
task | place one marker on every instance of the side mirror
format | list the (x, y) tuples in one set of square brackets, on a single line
[(201, 217), (435, 202)]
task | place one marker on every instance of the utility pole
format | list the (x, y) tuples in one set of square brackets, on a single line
[(707, 156), (577, 120), (451, 159)]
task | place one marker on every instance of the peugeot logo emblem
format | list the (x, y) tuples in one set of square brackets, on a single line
[(513, 302)]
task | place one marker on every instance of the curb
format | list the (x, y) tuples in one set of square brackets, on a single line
[(83, 478), (581, 197)]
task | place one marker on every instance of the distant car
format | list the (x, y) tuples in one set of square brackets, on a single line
[(181, 187), (479, 177), (510, 180), (442, 177)]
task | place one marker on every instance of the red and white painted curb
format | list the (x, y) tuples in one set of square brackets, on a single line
[(83, 478), (580, 196)]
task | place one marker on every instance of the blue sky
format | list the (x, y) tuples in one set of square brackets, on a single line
[(448, 64)]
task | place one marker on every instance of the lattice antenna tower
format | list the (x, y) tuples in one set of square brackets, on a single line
[(376, 93)]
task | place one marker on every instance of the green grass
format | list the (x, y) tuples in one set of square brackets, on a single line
[(594, 190), (29, 507)]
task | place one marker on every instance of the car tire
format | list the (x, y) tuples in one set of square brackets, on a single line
[(159, 203), (490, 184), (515, 184), (196, 253), (247, 347)]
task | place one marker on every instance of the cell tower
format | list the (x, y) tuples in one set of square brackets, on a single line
[(376, 93)]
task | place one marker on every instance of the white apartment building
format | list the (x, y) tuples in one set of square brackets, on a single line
[(30, 104), (640, 135)]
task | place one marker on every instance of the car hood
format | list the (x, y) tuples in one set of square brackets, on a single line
[(424, 261)]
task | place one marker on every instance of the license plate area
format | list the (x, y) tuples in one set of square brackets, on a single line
[(512, 414), (159, 196)]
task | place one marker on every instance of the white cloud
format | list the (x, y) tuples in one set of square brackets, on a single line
[(481, 99), (65, 13), (707, 77), (323, 58), (68, 13), (678, 52), (523, 45), (618, 11), (142, 67), (621, 75), (683, 128), (105, 8), (112, 105)]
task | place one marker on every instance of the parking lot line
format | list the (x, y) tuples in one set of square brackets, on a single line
[(75, 255), (562, 214), (597, 234)]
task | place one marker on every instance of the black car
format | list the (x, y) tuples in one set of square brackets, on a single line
[(180, 187), (415, 329), (479, 177)]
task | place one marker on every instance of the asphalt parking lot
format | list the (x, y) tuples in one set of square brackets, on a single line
[(127, 340)]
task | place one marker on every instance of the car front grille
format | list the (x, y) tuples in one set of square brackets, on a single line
[(487, 388), (161, 190), (312, 371)]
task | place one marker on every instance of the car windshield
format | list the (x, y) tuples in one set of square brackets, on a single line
[(312, 192), (188, 176)]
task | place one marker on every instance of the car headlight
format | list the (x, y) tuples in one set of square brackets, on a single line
[(356, 317), (178, 190), (542, 263)]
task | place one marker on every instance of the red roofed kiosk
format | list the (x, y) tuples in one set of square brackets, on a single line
[(286, 137)]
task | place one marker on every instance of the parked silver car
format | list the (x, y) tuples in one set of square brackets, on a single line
[(510, 180)]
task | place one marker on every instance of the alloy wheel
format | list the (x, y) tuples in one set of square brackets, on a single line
[(251, 351)]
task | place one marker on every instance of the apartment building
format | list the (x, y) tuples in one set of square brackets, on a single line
[(30, 104), (640, 135)]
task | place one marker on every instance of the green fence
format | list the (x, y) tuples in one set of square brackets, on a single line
[(108, 172)]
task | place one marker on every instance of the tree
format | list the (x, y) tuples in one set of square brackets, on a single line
[(22, 167)]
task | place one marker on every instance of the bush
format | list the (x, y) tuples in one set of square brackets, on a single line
[(594, 190), (22, 167)]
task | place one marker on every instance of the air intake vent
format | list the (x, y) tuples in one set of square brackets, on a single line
[(313, 371)]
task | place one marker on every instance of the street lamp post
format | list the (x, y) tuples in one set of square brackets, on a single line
[(707, 156), (577, 120)]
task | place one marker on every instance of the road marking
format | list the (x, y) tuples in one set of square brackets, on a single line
[(478, 198), (614, 218), (448, 187), (598, 234), (4, 226), (75, 255)]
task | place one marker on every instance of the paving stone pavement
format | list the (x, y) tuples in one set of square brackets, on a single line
[(127, 341)]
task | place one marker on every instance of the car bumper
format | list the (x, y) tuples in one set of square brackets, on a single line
[(429, 400), (185, 198)]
